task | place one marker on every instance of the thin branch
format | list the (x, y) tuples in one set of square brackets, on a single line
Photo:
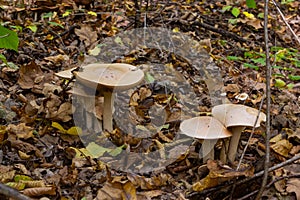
[(286, 23), (268, 98), (11, 192), (245, 180)]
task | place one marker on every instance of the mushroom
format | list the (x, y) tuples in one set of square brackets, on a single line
[(236, 117), (107, 78), (207, 128)]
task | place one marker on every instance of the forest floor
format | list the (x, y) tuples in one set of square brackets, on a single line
[(193, 53)]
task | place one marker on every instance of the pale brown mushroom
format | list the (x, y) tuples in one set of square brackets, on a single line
[(236, 117), (207, 128), (107, 78)]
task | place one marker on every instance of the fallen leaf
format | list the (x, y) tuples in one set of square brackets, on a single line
[(293, 186), (282, 147), (87, 35)]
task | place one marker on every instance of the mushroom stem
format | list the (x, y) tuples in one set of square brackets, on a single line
[(107, 111), (224, 150), (208, 152), (234, 142)]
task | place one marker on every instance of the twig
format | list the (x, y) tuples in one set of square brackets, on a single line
[(286, 23), (268, 97), (11, 192), (252, 132), (245, 180), (217, 30), (269, 185)]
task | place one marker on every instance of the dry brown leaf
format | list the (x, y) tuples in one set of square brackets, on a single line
[(218, 175), (293, 186), (124, 190), (29, 73), (20, 130), (87, 35), (39, 191), (234, 88), (151, 183), (282, 147), (58, 58), (7, 176)]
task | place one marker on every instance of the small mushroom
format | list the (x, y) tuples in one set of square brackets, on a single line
[(207, 128), (236, 117), (108, 78)]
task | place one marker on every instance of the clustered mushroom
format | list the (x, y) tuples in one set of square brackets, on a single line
[(107, 78), (207, 128), (237, 117), (228, 120)]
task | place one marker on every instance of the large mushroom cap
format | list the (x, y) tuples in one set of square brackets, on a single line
[(115, 76), (237, 115), (204, 127)]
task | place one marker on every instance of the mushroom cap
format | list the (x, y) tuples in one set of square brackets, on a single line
[(237, 115), (118, 76), (66, 74), (204, 127)]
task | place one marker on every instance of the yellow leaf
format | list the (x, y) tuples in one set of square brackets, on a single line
[(23, 155), (59, 127), (92, 13), (175, 30), (75, 130), (249, 15)]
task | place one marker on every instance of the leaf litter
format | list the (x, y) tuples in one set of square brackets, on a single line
[(39, 139)]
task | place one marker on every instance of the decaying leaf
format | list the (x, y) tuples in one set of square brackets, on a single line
[(87, 35), (28, 75), (218, 175), (7, 176), (20, 130), (39, 191), (154, 182), (293, 186), (117, 189), (282, 147)]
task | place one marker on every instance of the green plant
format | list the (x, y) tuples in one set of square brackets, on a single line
[(8, 40), (285, 60)]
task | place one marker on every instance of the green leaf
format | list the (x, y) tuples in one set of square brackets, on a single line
[(294, 78), (32, 27), (290, 86), (18, 178), (116, 151), (149, 78), (47, 15), (261, 15), (251, 3), (235, 11), (67, 13), (279, 83), (248, 65), (233, 21), (12, 65), (56, 24), (261, 61), (234, 58), (96, 150), (3, 58), (8, 39), (226, 8)]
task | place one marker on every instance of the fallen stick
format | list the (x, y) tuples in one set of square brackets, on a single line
[(11, 192)]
